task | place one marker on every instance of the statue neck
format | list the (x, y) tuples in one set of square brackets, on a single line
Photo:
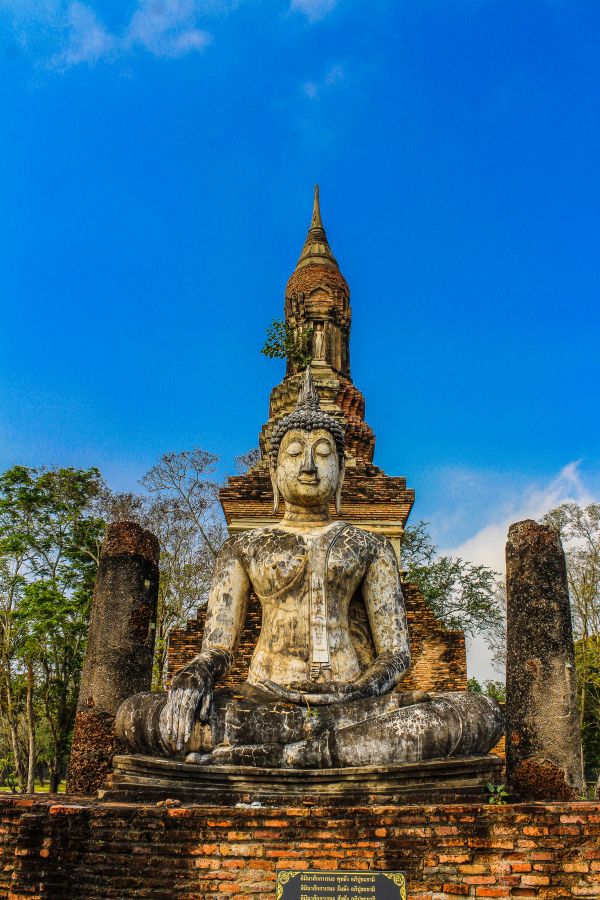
[(303, 515)]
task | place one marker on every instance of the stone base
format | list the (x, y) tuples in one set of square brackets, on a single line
[(150, 779)]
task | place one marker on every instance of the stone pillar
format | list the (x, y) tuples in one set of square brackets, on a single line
[(543, 747), (120, 649)]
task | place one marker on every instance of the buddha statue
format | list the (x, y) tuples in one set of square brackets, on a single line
[(316, 696)]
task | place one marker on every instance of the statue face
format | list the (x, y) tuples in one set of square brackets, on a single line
[(308, 469)]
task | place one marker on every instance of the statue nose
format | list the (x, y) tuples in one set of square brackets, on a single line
[(308, 463)]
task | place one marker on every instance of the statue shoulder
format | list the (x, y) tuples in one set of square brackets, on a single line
[(244, 543), (372, 544)]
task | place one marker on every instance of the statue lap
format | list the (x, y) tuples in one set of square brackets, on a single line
[(247, 727)]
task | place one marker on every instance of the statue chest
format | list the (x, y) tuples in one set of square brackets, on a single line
[(289, 569), (305, 586)]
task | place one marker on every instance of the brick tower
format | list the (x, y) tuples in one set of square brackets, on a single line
[(317, 301)]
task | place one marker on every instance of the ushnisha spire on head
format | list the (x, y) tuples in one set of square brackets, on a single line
[(308, 396), (308, 416)]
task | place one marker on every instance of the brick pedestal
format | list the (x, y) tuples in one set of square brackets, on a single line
[(82, 849)]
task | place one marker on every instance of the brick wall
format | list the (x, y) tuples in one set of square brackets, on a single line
[(185, 643), (83, 849), (439, 660)]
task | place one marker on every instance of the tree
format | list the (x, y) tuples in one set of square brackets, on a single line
[(55, 623), (49, 548), (283, 341), (461, 594), (13, 558), (248, 460), (495, 689), (579, 529)]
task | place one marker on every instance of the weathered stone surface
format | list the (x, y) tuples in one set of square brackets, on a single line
[(151, 779), (544, 759), (120, 648), (438, 657)]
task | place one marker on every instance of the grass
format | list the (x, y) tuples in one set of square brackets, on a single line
[(39, 789)]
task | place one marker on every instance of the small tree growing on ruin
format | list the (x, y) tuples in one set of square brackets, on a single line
[(285, 342)]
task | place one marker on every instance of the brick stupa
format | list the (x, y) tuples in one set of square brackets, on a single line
[(317, 299)]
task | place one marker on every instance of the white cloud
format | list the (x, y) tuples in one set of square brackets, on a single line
[(314, 10), (66, 33), (88, 40), (333, 77), (167, 27), (486, 546), (33, 20)]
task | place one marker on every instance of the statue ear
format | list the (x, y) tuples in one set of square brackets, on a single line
[(273, 474), (338, 491)]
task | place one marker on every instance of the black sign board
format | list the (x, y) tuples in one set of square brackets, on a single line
[(314, 884)]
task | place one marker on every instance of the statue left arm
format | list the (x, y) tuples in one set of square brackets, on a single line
[(384, 602)]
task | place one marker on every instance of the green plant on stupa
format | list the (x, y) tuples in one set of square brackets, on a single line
[(285, 342)]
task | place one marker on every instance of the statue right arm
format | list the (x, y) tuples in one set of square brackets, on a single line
[(227, 604), (191, 693)]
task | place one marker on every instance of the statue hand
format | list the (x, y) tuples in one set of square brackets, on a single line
[(358, 690), (315, 687), (313, 693), (191, 695), (323, 693), (190, 699)]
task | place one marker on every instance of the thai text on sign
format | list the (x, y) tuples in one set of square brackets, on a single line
[(318, 885)]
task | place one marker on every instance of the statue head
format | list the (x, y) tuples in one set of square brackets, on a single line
[(306, 458)]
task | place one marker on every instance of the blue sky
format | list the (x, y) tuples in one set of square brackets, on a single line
[(157, 163)]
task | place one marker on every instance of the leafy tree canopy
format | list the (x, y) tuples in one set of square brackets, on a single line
[(50, 538), (285, 342), (465, 596)]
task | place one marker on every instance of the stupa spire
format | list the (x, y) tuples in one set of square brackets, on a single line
[(316, 216), (316, 250)]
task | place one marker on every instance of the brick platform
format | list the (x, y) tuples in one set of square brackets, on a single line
[(82, 849)]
